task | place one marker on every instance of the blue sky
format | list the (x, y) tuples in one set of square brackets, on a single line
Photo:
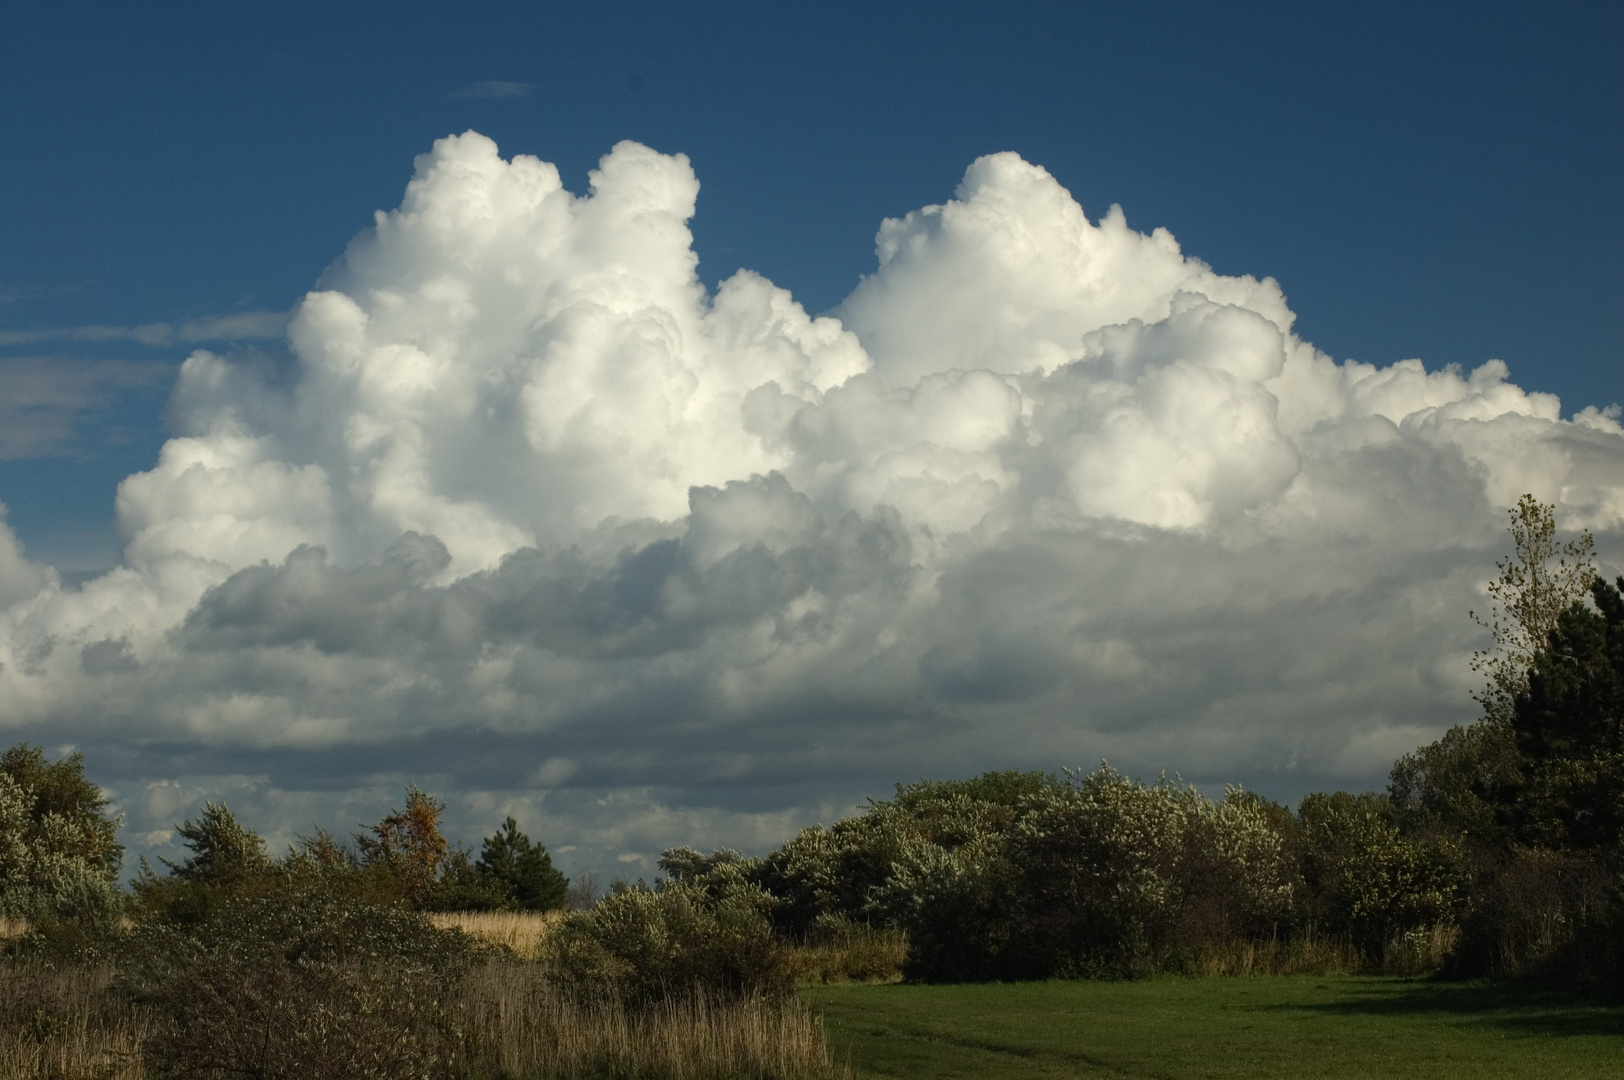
[(1432, 181), (515, 512)]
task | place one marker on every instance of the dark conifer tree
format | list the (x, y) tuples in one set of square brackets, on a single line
[(1569, 726), (222, 850), (523, 871)]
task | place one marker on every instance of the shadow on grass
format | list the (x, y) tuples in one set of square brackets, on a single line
[(1508, 1007)]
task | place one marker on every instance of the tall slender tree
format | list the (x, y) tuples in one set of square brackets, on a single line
[(1542, 579)]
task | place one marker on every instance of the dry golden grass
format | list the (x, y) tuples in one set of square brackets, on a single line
[(522, 931), (63, 1022), (13, 927), (853, 953), (520, 1025)]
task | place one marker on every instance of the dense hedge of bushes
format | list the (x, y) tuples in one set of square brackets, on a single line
[(1031, 875)]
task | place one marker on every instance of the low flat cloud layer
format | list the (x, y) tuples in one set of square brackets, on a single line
[(543, 525)]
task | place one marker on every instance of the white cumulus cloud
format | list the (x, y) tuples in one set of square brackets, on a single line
[(540, 522)]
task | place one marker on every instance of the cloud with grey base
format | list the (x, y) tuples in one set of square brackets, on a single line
[(540, 519)]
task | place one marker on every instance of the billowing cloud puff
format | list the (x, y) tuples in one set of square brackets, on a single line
[(536, 520)]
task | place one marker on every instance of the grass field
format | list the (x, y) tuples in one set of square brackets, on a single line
[(522, 931), (1288, 1027)]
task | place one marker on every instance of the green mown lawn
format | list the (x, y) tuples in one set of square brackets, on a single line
[(1288, 1027)]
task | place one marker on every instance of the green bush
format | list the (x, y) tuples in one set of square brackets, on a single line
[(644, 944), (1366, 878), (845, 870), (58, 851), (1031, 875)]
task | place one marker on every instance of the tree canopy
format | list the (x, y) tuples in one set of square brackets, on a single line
[(58, 845)]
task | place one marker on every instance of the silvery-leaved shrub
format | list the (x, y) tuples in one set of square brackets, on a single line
[(1035, 876), (846, 870), (643, 944), (955, 905), (58, 853), (1101, 883), (1366, 878)]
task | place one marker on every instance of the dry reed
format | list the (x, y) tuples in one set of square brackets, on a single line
[(62, 1021), (1416, 953), (519, 1024), (854, 953), (1302, 955), (13, 927), (524, 932), (1420, 952)]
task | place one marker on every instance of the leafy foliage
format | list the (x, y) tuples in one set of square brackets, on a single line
[(1569, 727), (1365, 877), (1533, 793), (407, 847), (1019, 875), (58, 847), (647, 944), (222, 850), (1536, 585), (1457, 783)]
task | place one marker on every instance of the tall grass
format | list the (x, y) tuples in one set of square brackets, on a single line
[(63, 1021), (524, 932), (13, 927), (519, 1024), (854, 952), (1418, 952)]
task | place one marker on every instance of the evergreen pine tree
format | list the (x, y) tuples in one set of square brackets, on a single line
[(222, 850), (521, 870)]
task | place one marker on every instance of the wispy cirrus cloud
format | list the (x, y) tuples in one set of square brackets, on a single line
[(492, 90), (13, 294), (242, 326)]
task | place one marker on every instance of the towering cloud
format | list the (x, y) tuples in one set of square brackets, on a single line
[(536, 519)]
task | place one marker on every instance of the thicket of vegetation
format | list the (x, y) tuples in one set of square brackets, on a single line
[(1495, 851), (330, 960)]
